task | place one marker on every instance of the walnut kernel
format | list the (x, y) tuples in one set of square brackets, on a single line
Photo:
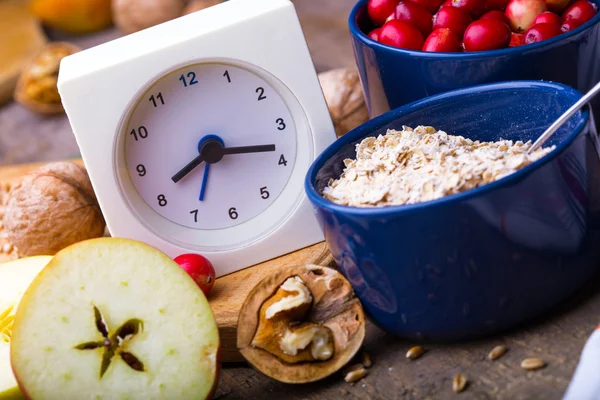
[(36, 88)]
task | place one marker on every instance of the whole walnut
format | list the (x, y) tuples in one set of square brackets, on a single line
[(345, 100), (197, 5), (134, 15), (52, 208)]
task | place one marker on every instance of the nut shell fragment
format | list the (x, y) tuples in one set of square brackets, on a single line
[(333, 308)]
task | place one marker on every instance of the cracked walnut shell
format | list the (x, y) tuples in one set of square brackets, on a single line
[(52, 208), (36, 88), (301, 324)]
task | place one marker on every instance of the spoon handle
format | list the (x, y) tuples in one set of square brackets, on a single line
[(563, 118)]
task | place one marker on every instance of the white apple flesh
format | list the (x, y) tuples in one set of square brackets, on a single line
[(66, 331), (15, 277)]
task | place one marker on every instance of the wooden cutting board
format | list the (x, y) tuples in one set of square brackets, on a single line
[(228, 293), (21, 37)]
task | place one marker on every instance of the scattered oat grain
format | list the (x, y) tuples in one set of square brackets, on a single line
[(533, 363), (415, 352), (422, 164), (353, 376), (366, 360), (459, 383), (353, 367), (497, 352)]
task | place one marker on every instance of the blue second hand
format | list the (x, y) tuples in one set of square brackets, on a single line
[(204, 181)]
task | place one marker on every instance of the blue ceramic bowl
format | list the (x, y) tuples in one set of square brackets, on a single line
[(392, 77), (485, 259)]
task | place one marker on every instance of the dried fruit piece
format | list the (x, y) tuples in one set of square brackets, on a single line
[(459, 383), (415, 352), (533, 363), (36, 88), (301, 324), (497, 352)]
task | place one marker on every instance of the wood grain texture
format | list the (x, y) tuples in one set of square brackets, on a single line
[(557, 337)]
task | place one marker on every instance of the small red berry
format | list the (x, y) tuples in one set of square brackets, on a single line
[(486, 35), (379, 10), (570, 24), (415, 15), (516, 39), (442, 40), (431, 5), (374, 34), (495, 14), (539, 32), (473, 7), (453, 18), (547, 17), (582, 10), (499, 5), (402, 35), (199, 269)]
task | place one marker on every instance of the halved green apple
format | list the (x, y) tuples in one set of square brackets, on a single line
[(113, 318), (15, 277)]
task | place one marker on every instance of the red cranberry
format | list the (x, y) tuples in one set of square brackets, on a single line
[(374, 34), (452, 18), (582, 10), (431, 5), (495, 14), (522, 13), (473, 7), (516, 39), (486, 35), (570, 24), (379, 10), (401, 34), (442, 40), (499, 5), (415, 15), (539, 32), (547, 17)]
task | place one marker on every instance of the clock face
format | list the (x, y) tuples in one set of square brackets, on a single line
[(209, 145)]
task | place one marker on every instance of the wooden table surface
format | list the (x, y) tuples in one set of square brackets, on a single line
[(557, 338)]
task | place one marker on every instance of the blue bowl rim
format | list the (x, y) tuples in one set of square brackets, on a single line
[(382, 120), (360, 35)]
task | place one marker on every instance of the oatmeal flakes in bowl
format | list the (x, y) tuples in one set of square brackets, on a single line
[(442, 223), (415, 165)]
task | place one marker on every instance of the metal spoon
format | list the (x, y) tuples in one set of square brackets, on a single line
[(563, 118)]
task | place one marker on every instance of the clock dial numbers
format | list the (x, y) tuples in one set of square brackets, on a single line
[(233, 106), (141, 170), (191, 79), (261, 93), (158, 100)]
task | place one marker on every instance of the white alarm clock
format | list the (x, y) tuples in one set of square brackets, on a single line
[(197, 133)]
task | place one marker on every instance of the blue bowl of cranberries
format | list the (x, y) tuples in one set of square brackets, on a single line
[(411, 49)]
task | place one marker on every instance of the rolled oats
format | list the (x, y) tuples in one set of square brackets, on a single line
[(422, 164)]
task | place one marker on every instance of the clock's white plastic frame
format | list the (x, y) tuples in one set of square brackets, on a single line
[(99, 85)]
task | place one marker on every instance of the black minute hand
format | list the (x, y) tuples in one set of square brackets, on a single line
[(187, 169)]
